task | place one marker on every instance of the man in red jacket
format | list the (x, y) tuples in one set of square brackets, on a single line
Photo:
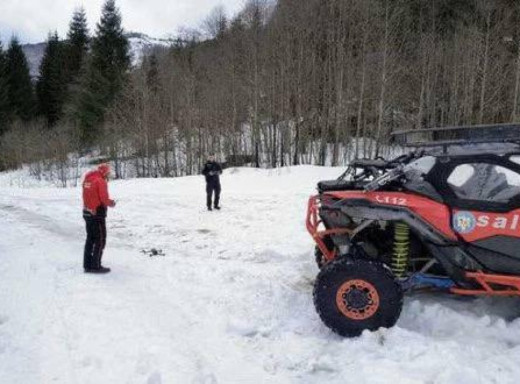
[(95, 203)]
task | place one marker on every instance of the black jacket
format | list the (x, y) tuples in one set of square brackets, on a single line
[(212, 171)]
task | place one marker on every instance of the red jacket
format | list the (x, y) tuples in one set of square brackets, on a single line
[(95, 192)]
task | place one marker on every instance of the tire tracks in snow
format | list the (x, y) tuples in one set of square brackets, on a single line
[(34, 219), (172, 327)]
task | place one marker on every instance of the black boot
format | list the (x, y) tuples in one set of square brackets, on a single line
[(97, 267), (97, 270), (217, 207), (209, 209)]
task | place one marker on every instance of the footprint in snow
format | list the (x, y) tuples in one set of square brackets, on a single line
[(205, 379), (155, 378)]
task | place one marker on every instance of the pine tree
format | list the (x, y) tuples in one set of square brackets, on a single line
[(110, 48), (88, 103), (52, 83), (19, 86), (105, 74), (4, 106), (77, 43)]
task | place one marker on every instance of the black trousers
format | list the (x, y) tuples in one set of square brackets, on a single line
[(210, 189), (96, 240)]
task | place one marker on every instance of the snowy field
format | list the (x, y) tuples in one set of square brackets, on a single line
[(229, 302)]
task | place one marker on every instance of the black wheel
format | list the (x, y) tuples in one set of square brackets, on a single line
[(352, 295)]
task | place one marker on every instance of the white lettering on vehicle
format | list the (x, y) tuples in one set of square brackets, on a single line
[(391, 200), (467, 222), (498, 222)]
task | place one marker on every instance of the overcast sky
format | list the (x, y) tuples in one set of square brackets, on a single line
[(31, 20)]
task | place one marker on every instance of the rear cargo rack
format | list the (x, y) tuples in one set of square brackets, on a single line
[(459, 136)]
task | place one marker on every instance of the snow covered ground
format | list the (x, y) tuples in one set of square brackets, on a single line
[(230, 302)]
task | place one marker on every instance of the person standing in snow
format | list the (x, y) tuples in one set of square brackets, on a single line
[(95, 203), (212, 171)]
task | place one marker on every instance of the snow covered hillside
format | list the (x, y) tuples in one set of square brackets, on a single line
[(141, 45), (229, 302)]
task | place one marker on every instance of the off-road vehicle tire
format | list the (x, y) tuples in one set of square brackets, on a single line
[(351, 295)]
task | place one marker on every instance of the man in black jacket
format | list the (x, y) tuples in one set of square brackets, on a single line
[(212, 171)]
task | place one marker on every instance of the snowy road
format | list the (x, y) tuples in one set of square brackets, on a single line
[(230, 302)]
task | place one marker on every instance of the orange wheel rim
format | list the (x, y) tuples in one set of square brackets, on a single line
[(357, 299)]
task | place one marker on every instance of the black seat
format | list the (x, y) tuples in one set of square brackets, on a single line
[(366, 163), (335, 185)]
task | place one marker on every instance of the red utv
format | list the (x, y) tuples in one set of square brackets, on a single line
[(445, 216)]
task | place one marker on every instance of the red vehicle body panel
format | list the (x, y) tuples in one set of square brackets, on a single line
[(436, 214)]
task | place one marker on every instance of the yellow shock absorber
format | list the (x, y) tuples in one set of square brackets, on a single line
[(401, 248)]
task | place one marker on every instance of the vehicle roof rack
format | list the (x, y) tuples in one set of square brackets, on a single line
[(459, 136)]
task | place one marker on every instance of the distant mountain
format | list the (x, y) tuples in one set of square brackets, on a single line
[(141, 45)]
